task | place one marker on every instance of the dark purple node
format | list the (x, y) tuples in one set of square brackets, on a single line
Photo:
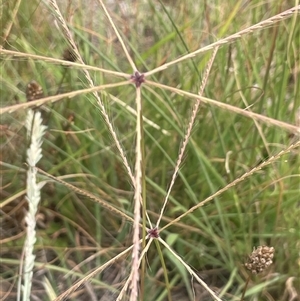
[(154, 233), (138, 78)]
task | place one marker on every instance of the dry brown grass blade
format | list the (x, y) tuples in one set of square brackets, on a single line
[(129, 280), (104, 113), (74, 287), (233, 183), (131, 62), (89, 195), (188, 132), (55, 98), (204, 285), (145, 119), (271, 21), (283, 125), (31, 56)]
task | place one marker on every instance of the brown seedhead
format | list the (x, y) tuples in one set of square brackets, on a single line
[(260, 259), (34, 91)]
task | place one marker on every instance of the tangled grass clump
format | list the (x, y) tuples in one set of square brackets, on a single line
[(180, 191)]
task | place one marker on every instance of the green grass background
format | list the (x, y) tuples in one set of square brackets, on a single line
[(262, 68)]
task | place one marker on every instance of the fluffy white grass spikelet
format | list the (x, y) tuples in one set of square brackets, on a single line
[(35, 131)]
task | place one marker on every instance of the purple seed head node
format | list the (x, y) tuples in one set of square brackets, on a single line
[(138, 78)]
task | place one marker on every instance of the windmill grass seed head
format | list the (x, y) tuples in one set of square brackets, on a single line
[(260, 259)]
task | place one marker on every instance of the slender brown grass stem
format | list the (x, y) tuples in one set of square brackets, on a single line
[(245, 288)]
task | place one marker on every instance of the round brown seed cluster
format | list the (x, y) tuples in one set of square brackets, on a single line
[(34, 91), (260, 259)]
